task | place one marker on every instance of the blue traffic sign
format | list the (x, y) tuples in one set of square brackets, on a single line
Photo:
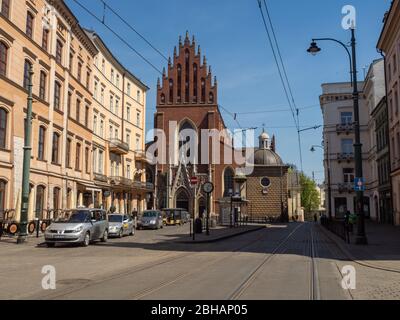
[(359, 184)]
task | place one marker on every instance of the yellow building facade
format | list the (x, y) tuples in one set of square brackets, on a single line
[(65, 166)]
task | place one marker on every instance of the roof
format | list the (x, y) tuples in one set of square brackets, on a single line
[(96, 39), (267, 157), (386, 19)]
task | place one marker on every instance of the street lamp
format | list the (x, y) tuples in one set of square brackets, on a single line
[(230, 213), (361, 237), (328, 177)]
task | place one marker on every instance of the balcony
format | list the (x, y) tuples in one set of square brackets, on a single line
[(149, 186), (120, 181), (345, 128), (100, 177), (140, 155), (146, 186), (346, 187), (118, 146), (345, 157)]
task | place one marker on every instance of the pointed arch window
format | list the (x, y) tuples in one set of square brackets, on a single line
[(3, 58), (179, 98), (203, 90), (3, 128), (187, 75), (162, 98), (195, 83), (183, 139), (171, 91)]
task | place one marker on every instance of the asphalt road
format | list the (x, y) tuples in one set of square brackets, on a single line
[(294, 261)]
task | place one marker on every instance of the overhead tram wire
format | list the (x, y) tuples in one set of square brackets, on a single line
[(286, 86), (106, 5), (118, 36)]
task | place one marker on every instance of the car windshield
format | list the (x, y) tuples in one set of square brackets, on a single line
[(78, 216), (115, 218), (151, 214)]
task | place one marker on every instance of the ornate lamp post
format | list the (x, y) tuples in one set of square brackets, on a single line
[(314, 49)]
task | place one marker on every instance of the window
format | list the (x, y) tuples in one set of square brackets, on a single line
[(88, 80), (347, 146), (103, 66), (129, 89), (87, 116), (3, 128), (95, 160), (41, 144), (79, 74), (211, 97), (118, 80), (128, 171), (68, 154), (112, 76), (102, 96), (40, 192), (57, 96), (42, 88), (87, 160), (3, 185), (69, 104), (110, 133), (56, 198), (100, 168), (45, 39), (27, 68), (101, 131), (95, 124), (203, 90), (128, 139), (95, 90), (348, 175), (171, 91), (78, 157), (138, 96), (5, 8), (116, 106), (112, 104), (179, 84), (71, 62), (138, 119), (3, 59), (138, 148), (78, 110), (59, 48), (195, 82), (56, 148), (128, 113), (228, 182), (29, 24)]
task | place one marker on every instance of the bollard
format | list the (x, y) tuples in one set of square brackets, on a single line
[(37, 227)]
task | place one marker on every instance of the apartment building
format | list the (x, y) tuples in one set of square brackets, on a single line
[(338, 134), (389, 44), (66, 139), (119, 112)]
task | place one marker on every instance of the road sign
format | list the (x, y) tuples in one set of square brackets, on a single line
[(194, 180), (359, 184)]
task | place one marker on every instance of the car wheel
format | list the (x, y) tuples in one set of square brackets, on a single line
[(86, 240), (121, 233), (50, 244), (105, 236)]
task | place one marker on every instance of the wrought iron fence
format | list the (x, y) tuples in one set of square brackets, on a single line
[(339, 227)]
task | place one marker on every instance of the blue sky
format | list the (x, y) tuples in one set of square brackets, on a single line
[(232, 36)]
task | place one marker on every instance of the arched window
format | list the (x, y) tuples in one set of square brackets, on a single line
[(56, 198), (171, 91), (78, 157), (187, 75), (27, 68), (3, 185), (195, 83), (57, 96), (183, 138), (179, 98), (211, 97), (228, 181), (42, 86), (5, 8), (162, 98), (56, 148), (203, 90), (40, 192), (3, 128), (3, 58), (41, 144), (68, 154), (29, 24)]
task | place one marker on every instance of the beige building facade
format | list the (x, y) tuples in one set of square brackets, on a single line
[(389, 44), (46, 35)]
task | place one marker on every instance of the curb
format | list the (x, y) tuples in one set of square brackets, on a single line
[(222, 238), (347, 253)]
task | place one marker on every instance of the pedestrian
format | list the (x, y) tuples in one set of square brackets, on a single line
[(347, 217), (315, 217)]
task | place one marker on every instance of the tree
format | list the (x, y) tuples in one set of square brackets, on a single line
[(310, 199)]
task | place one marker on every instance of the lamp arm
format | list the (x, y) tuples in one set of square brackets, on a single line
[(345, 47)]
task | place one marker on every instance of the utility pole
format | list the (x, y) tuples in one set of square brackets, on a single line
[(22, 235)]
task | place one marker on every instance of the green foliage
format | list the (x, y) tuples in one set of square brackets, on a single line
[(310, 198)]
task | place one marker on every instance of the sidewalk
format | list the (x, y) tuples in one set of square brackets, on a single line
[(220, 233), (382, 251)]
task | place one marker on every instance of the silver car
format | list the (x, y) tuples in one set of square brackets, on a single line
[(151, 219), (83, 226), (120, 225)]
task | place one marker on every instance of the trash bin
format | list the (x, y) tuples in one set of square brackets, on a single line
[(198, 226), (213, 223)]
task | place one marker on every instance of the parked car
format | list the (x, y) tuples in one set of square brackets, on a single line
[(83, 226), (151, 219), (176, 217), (120, 225)]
